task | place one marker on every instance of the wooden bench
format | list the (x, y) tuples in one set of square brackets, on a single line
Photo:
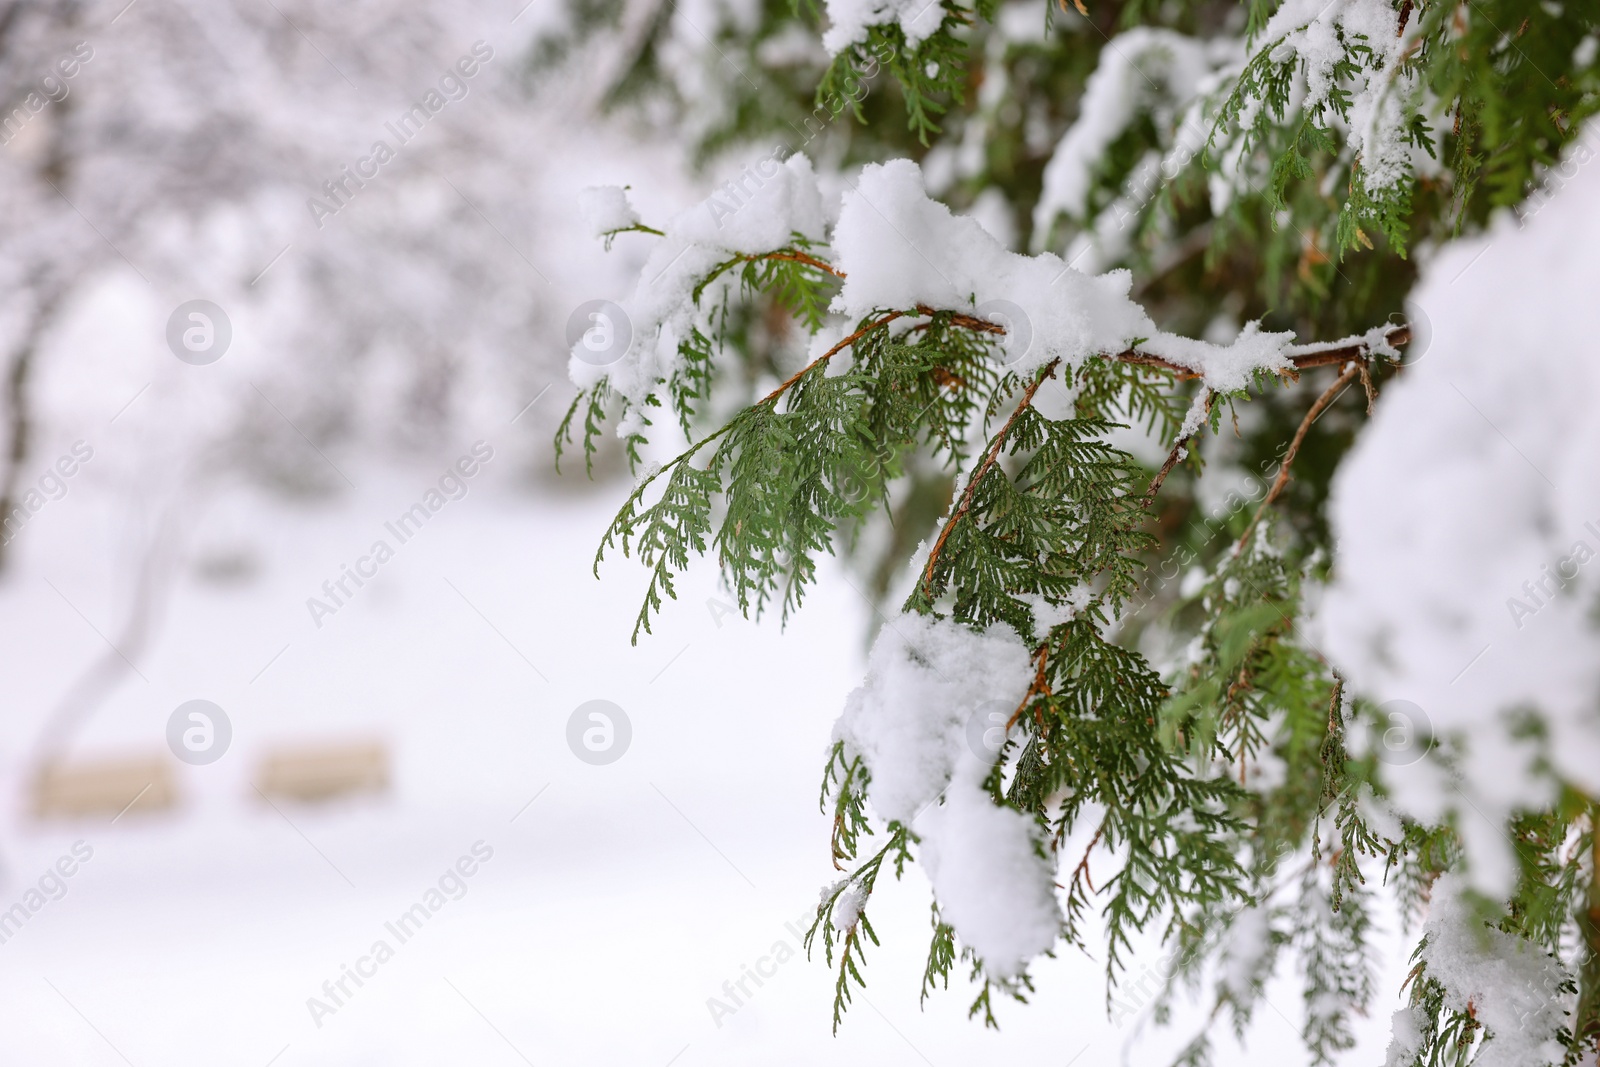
[(313, 773), (110, 787)]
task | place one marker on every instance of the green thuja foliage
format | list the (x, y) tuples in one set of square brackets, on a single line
[(1197, 772), (1048, 535)]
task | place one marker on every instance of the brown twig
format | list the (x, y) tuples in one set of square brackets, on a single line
[(977, 476), (968, 322), (1328, 396), (1301, 357), (847, 342), (1083, 865), (1040, 685), (801, 257), (1173, 459)]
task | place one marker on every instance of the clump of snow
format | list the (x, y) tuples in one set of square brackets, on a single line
[(847, 909), (925, 677), (1195, 417), (910, 723), (1467, 519), (1047, 615), (1226, 368), (1405, 1036), (992, 885), (605, 209), (849, 21), (758, 209), (757, 212), (1319, 34), (900, 249), (1508, 984)]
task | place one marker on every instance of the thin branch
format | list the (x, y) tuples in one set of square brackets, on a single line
[(988, 461), (1179, 450), (847, 342), (1303, 357), (1040, 686), (692, 450), (1328, 396), (637, 227), (800, 257), (1082, 868), (968, 322)]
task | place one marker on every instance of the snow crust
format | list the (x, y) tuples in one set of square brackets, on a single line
[(910, 721), (925, 676), (1467, 519), (991, 884), (1226, 368)]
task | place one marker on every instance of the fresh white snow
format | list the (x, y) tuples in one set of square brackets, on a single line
[(1505, 982), (605, 209), (1468, 519), (931, 685)]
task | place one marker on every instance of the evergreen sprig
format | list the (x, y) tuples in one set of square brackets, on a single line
[(1180, 729)]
